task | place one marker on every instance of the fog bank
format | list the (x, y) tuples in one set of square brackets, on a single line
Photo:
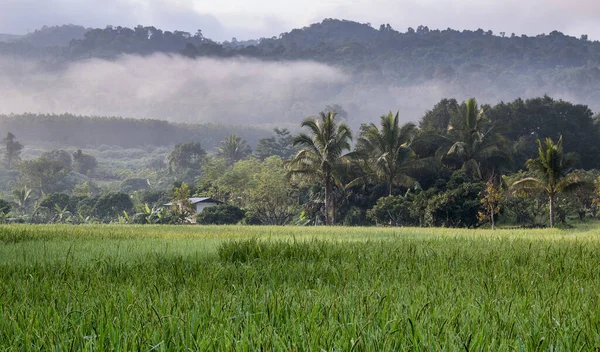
[(233, 91)]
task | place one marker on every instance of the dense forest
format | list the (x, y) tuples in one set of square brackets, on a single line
[(93, 132), (463, 165)]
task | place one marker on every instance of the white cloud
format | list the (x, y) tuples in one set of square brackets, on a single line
[(169, 87)]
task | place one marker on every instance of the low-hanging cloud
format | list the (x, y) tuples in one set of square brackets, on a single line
[(169, 87), (242, 91)]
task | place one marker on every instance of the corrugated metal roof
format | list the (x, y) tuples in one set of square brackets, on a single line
[(198, 200)]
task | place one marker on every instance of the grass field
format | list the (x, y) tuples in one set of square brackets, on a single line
[(116, 287)]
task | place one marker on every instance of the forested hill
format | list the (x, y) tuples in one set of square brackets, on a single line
[(332, 40), (66, 130), (473, 60), (386, 68)]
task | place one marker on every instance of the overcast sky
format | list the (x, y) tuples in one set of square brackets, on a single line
[(246, 19)]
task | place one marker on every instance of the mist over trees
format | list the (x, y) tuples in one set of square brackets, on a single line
[(465, 164), (285, 78)]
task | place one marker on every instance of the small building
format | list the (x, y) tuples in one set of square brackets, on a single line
[(204, 202), (199, 204)]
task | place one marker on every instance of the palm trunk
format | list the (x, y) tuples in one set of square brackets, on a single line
[(552, 210), (328, 202)]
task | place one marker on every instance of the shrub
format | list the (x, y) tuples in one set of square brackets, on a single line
[(392, 210), (223, 214), (111, 205), (134, 184), (5, 206)]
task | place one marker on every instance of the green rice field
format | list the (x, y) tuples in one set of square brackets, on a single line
[(236, 288)]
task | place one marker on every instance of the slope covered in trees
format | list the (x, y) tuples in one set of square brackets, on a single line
[(492, 66), (85, 131)]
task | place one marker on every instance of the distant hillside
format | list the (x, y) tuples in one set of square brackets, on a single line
[(386, 68), (86, 132), (46, 37), (53, 36)]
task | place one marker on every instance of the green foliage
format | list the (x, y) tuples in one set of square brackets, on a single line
[(223, 214), (186, 156), (280, 145), (387, 154), (491, 198), (86, 188), (155, 215), (83, 163), (111, 205), (455, 203), (270, 198), (43, 175), (322, 156), (11, 150), (182, 209), (233, 149), (5, 206), (59, 155), (552, 173), (61, 201), (151, 197), (131, 185), (22, 198), (85, 131), (393, 211), (544, 117), (474, 145), (261, 188), (436, 120)]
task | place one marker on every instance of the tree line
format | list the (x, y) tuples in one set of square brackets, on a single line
[(523, 163)]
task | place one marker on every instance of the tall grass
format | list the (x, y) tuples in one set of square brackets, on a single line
[(340, 289)]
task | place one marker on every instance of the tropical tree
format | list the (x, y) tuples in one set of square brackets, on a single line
[(186, 156), (321, 156), (233, 148), (12, 150), (60, 155), (552, 170), (84, 163), (387, 151), (490, 203), (279, 145), (182, 207), (473, 142)]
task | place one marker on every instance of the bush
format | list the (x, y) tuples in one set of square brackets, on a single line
[(5, 206), (61, 200), (223, 214), (392, 210), (131, 185), (112, 205)]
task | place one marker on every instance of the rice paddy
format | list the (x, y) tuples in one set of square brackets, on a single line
[(161, 288)]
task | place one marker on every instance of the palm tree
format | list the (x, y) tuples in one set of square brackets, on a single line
[(473, 142), (321, 155), (552, 170), (387, 151), (12, 150), (233, 149)]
